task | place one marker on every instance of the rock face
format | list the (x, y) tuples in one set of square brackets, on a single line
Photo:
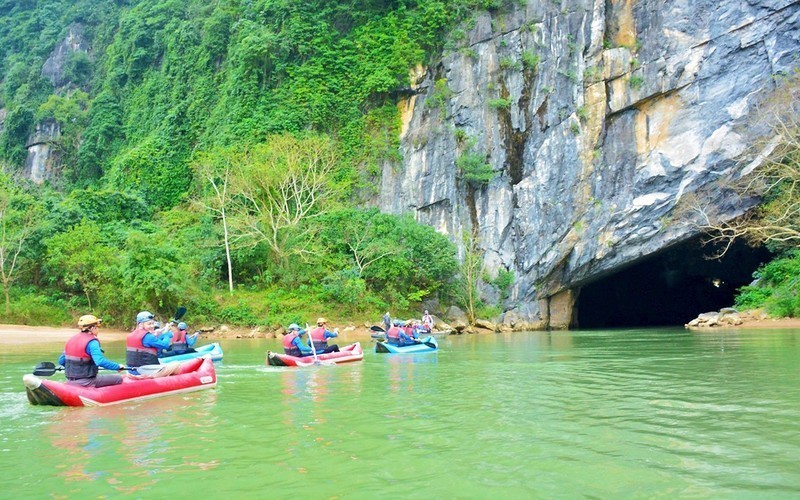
[(43, 161), (602, 120), (55, 65)]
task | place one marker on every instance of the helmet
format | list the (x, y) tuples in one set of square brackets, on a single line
[(321, 321), (294, 326), (87, 321), (182, 326), (144, 316)]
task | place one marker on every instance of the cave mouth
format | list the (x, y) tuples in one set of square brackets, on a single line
[(670, 288)]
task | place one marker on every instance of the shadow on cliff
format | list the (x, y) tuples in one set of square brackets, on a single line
[(670, 288)]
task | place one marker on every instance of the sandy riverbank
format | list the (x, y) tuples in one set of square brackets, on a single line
[(22, 334)]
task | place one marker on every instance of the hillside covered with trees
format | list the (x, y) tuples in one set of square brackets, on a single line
[(220, 155)]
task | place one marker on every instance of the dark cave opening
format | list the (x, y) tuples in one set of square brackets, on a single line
[(670, 288)]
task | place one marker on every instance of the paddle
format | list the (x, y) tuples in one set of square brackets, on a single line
[(311, 341), (427, 343), (377, 329), (47, 369), (314, 349), (179, 313)]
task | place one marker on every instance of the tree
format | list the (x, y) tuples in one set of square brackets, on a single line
[(281, 183), (214, 169), (471, 271), (19, 216), (773, 175), (80, 257)]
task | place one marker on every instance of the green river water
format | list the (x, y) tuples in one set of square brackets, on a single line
[(603, 414)]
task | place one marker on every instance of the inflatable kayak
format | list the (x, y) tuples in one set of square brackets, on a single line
[(346, 354), (214, 351), (193, 375), (426, 344)]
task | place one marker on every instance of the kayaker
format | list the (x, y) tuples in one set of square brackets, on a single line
[(387, 321), (83, 357), (320, 336), (397, 336), (181, 343), (427, 322), (142, 345), (293, 344)]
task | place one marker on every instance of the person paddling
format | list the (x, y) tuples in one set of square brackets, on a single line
[(293, 344), (181, 343), (320, 336), (83, 357), (142, 345)]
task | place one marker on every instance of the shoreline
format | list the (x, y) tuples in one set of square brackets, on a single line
[(24, 334)]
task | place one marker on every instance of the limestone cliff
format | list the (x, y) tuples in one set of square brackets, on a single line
[(600, 120)]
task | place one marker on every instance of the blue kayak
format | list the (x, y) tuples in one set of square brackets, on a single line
[(427, 344), (214, 351)]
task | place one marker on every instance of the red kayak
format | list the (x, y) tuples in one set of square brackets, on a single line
[(193, 375), (346, 354)]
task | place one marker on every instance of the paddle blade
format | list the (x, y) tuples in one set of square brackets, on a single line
[(179, 313), (375, 328), (431, 345), (381, 347), (45, 369)]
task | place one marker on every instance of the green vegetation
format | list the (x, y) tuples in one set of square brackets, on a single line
[(473, 165), (499, 103), (776, 221), (187, 139), (531, 60), (777, 289)]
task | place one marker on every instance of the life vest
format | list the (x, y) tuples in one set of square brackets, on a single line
[(136, 354), (288, 347), (409, 331), (393, 335), (179, 344), (79, 364), (318, 337), (427, 322)]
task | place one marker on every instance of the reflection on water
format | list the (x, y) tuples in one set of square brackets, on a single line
[(630, 413), (404, 369), (99, 443)]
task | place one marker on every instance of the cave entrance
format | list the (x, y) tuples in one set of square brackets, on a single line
[(668, 289)]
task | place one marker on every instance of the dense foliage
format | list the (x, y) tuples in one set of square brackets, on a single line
[(774, 223), (158, 91)]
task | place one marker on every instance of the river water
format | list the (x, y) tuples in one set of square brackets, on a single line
[(621, 413)]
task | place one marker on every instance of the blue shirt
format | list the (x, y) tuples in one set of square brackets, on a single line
[(93, 350), (304, 348), (150, 340)]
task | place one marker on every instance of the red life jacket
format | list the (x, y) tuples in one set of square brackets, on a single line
[(288, 347), (318, 337), (179, 336), (179, 344), (136, 354), (79, 364), (393, 335)]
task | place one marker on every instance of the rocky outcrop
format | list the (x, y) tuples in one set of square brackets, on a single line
[(55, 65), (43, 161), (601, 120)]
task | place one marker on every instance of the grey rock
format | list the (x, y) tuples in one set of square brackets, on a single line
[(599, 147)]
